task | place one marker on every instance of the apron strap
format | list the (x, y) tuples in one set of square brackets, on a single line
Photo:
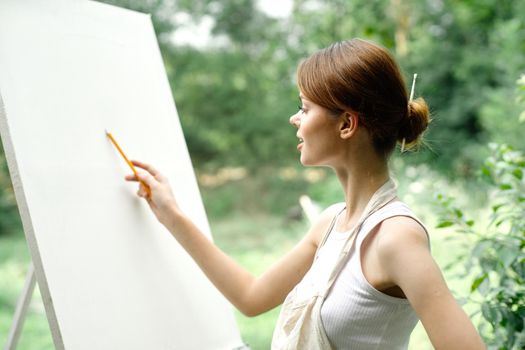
[(382, 197)]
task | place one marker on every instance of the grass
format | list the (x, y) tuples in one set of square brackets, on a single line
[(14, 261), (264, 240)]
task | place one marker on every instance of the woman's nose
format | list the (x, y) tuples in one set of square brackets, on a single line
[(295, 120)]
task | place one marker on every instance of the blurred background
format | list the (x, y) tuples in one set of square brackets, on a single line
[(231, 65)]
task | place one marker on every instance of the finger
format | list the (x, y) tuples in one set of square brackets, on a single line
[(148, 167), (131, 177), (143, 191), (146, 179)]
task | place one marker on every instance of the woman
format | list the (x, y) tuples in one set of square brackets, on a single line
[(363, 275)]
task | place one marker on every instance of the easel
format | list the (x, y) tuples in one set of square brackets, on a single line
[(21, 309), (309, 208)]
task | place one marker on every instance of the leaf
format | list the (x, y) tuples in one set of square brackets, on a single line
[(488, 264), (485, 171), (475, 285), (485, 311), (521, 311), (496, 207), (518, 173), (480, 248), (508, 255), (505, 187), (490, 314), (445, 224)]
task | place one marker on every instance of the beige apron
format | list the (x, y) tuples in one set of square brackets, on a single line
[(299, 325)]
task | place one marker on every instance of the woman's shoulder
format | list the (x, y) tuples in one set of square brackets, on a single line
[(402, 249), (398, 233), (398, 216)]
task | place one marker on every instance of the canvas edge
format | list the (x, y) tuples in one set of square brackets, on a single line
[(27, 225)]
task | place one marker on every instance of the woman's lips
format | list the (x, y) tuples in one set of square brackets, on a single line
[(301, 142)]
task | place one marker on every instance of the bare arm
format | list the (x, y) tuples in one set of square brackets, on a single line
[(404, 255), (251, 295)]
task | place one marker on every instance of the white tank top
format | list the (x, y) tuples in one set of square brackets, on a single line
[(355, 315)]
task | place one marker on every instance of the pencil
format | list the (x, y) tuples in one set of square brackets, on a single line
[(115, 143)]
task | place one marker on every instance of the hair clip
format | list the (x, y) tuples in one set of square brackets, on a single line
[(410, 99), (413, 87)]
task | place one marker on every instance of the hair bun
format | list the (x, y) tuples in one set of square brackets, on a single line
[(415, 123)]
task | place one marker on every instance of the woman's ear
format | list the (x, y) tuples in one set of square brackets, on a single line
[(348, 125)]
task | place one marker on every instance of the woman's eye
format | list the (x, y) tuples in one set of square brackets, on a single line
[(302, 109)]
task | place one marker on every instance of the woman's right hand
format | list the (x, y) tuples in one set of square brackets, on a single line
[(159, 196), (249, 294)]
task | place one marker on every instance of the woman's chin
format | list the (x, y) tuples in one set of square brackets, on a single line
[(313, 163), (305, 161)]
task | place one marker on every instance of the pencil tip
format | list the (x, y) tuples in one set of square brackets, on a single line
[(106, 130)]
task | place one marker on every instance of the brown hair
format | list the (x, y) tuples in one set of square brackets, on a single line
[(363, 77)]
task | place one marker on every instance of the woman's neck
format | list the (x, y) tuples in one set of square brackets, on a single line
[(360, 182)]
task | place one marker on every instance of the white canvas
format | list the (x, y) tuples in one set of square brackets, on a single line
[(111, 276)]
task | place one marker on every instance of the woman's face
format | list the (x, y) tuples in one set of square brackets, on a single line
[(318, 132)]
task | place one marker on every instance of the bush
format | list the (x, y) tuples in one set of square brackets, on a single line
[(497, 260)]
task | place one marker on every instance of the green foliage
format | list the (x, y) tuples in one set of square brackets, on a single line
[(9, 218), (229, 110), (234, 99), (265, 192), (497, 259), (328, 191), (235, 96), (468, 54), (521, 95)]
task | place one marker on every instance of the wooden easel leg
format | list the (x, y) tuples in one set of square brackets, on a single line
[(21, 309)]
